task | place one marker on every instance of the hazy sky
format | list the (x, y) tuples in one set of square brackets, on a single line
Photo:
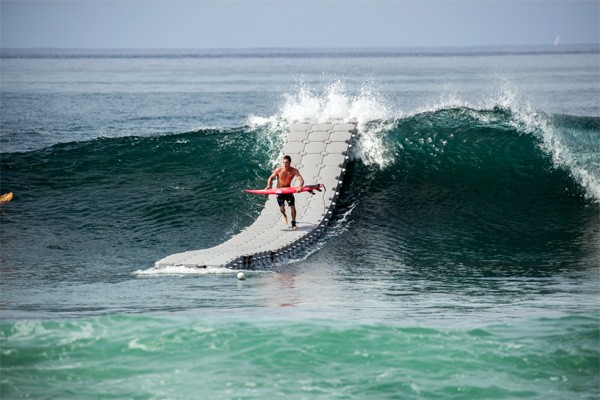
[(243, 24)]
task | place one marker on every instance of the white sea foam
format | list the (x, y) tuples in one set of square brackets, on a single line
[(526, 120), (183, 270), (136, 345), (581, 170), (368, 107), (25, 329)]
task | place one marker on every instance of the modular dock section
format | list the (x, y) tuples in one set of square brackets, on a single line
[(320, 151)]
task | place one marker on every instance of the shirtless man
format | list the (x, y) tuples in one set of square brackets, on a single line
[(285, 175)]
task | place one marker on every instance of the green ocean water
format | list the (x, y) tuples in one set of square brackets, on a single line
[(186, 356)]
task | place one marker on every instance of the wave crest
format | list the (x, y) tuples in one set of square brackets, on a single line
[(376, 117)]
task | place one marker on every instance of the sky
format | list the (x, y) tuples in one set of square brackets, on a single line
[(303, 24)]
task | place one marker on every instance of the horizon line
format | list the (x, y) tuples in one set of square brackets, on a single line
[(427, 47)]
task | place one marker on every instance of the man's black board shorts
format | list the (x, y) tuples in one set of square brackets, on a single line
[(282, 198)]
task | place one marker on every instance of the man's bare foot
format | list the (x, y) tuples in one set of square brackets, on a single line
[(285, 220)]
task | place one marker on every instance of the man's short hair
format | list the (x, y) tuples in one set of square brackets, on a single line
[(288, 158)]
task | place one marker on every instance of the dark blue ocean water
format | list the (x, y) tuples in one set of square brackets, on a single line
[(462, 262)]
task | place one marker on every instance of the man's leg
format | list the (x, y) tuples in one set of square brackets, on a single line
[(293, 208), (282, 209), (281, 202)]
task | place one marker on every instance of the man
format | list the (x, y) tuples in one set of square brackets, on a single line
[(285, 174)]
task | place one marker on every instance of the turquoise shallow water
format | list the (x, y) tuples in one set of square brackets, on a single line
[(184, 356), (462, 262)]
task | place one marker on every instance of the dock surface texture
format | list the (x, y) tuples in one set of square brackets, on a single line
[(320, 151)]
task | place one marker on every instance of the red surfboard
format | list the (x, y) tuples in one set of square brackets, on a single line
[(286, 190)]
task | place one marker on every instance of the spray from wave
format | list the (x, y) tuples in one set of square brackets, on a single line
[(367, 106)]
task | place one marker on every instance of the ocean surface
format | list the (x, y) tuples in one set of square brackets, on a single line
[(462, 261)]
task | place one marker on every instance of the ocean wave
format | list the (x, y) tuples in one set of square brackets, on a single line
[(451, 181), (569, 141), (569, 144), (485, 142)]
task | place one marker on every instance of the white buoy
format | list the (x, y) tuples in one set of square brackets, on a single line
[(241, 276)]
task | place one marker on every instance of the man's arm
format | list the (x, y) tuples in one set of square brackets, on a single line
[(270, 180), (300, 180)]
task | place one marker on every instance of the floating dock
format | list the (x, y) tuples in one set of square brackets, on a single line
[(320, 151)]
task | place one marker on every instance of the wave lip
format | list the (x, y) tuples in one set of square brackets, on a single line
[(570, 146)]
